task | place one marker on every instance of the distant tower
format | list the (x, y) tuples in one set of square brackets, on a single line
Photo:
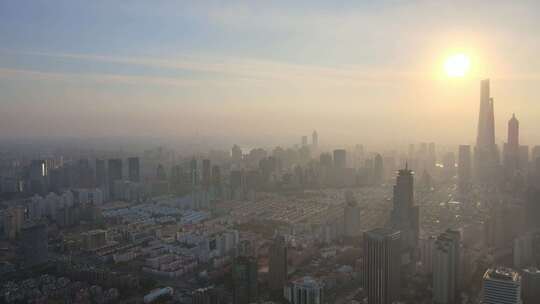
[(315, 139), (351, 215), (512, 148), (513, 131), (446, 265), (381, 265), (277, 265), (216, 180), (134, 169), (501, 285), (464, 169), (378, 170), (206, 173), (405, 215), (340, 159), (304, 141), (115, 174), (160, 173), (236, 154), (449, 164), (486, 155), (193, 172), (101, 173)]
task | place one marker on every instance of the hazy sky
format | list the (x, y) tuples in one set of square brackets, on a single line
[(361, 71)]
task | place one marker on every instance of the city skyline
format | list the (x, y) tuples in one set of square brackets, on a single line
[(251, 152)]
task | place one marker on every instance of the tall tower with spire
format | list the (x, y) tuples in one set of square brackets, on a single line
[(511, 147), (405, 214), (486, 154), (513, 131)]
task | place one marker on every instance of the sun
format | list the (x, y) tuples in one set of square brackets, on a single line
[(457, 65)]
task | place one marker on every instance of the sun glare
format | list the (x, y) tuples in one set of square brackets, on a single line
[(457, 65)]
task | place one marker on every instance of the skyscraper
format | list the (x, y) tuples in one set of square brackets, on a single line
[(513, 131), (340, 159), (511, 149), (193, 172), (134, 169), (161, 175), (85, 175), (449, 165), (315, 139), (486, 157), (216, 180), (277, 265), (464, 169), (236, 154), (351, 215), (244, 277), (37, 176), (405, 215), (381, 265), (530, 286), (501, 286), (446, 265), (206, 173), (304, 140), (101, 174), (114, 173), (378, 170)]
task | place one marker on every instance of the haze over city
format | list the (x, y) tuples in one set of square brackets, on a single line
[(269, 152), (249, 69)]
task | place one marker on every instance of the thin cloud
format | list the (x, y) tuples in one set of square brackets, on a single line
[(254, 70)]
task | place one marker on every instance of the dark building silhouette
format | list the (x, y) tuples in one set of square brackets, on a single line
[(37, 177), (381, 265), (340, 159), (326, 160), (101, 173), (378, 170), (134, 169), (530, 285), (85, 174), (237, 184), (244, 277), (405, 215), (449, 165), (277, 265), (114, 173), (446, 267), (315, 139)]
